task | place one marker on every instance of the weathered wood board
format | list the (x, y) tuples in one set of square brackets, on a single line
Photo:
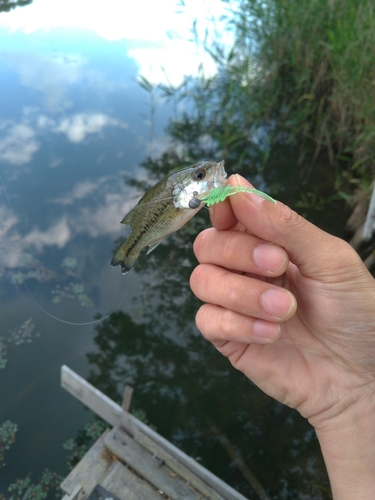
[(177, 467), (127, 486), (97, 461), (155, 471), (99, 466), (216, 489)]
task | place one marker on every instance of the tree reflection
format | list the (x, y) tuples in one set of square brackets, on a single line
[(8, 5), (188, 391), (195, 398)]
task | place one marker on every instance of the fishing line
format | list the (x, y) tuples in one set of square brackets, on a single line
[(86, 323), (72, 323)]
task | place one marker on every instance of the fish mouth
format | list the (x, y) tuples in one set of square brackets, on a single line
[(220, 174)]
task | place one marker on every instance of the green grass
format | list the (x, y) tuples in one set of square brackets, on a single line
[(298, 70)]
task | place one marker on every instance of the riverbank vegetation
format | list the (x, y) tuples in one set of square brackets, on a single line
[(299, 71)]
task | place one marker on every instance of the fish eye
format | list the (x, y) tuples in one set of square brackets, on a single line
[(199, 174)]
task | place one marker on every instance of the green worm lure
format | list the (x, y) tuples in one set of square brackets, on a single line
[(221, 193)]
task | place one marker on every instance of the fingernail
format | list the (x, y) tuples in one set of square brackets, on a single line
[(277, 302), (237, 180), (253, 197), (266, 330), (269, 257)]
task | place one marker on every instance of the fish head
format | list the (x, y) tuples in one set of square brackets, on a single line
[(191, 184)]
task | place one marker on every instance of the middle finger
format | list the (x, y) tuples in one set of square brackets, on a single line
[(242, 294)]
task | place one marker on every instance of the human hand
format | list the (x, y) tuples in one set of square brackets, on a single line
[(293, 308)]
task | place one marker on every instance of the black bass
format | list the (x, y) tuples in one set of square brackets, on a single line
[(166, 207)]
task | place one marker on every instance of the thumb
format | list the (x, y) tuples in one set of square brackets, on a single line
[(316, 253)]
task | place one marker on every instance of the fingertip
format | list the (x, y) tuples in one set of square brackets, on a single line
[(270, 258), (222, 216), (266, 331), (238, 180)]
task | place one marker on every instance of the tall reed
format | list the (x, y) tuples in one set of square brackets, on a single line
[(315, 69)]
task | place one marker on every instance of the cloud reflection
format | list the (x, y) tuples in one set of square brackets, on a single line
[(20, 140), (19, 144), (78, 126), (98, 218), (56, 235), (100, 215)]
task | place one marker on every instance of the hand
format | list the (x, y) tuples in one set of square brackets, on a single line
[(293, 308)]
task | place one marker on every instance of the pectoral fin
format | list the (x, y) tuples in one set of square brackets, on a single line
[(153, 246)]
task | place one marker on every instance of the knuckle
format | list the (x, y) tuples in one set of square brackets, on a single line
[(289, 217), (347, 255)]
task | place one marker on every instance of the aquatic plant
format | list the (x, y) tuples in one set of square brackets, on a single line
[(24, 333), (7, 437), (78, 446), (28, 268), (72, 291), (47, 486), (70, 264)]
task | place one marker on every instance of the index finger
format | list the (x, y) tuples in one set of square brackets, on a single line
[(222, 215)]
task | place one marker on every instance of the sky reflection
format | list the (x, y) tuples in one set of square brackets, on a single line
[(157, 33)]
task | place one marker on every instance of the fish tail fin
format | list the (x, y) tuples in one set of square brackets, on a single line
[(121, 258)]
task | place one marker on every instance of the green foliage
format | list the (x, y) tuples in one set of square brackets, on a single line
[(78, 447), (7, 437), (46, 487), (316, 67), (8, 5), (141, 415), (298, 70)]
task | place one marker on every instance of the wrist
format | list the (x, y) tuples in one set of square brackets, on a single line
[(347, 442)]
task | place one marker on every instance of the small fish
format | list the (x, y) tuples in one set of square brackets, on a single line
[(166, 207)]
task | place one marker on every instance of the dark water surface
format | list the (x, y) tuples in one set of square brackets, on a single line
[(72, 133)]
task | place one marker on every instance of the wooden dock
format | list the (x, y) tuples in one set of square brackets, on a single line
[(133, 462)]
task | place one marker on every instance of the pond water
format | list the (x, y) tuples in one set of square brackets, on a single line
[(76, 130)]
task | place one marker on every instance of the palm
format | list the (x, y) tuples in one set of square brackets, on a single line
[(306, 368)]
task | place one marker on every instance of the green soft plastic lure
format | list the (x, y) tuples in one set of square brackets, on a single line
[(219, 194)]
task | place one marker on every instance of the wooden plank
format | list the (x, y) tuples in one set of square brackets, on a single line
[(139, 459), (99, 466), (117, 416), (89, 471), (74, 494), (100, 493), (127, 397), (176, 466), (94, 399), (127, 486)]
